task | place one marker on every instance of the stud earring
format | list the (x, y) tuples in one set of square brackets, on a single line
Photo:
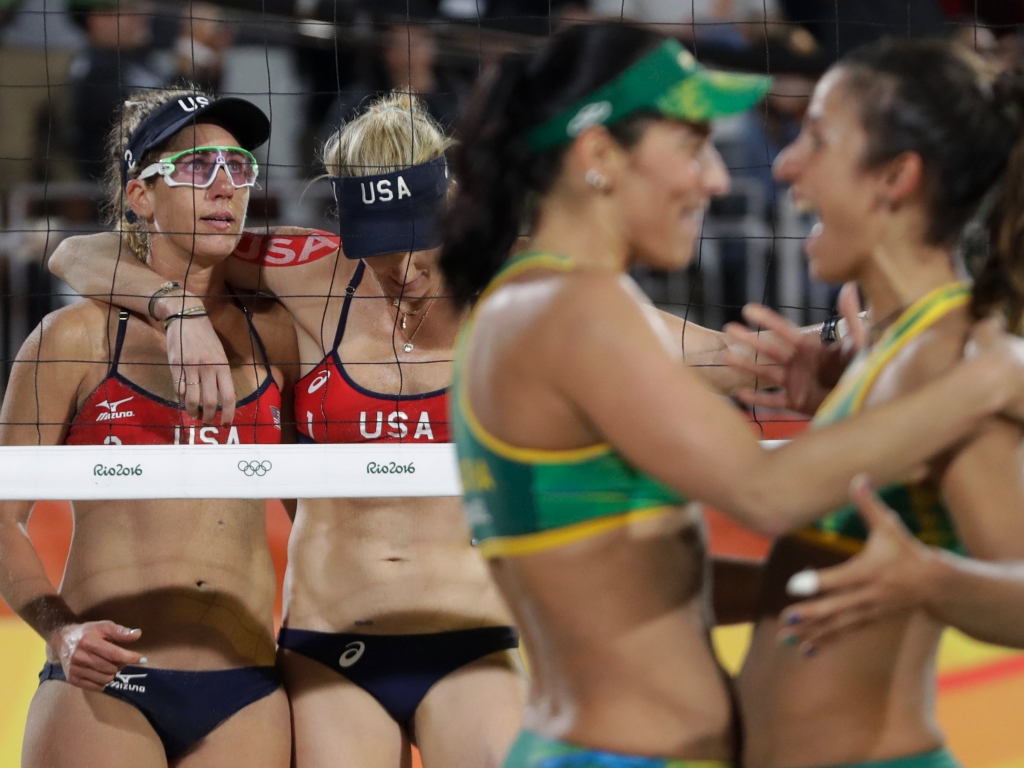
[(596, 180)]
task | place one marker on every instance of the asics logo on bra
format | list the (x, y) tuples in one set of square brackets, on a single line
[(123, 682), (112, 412), (319, 381), (382, 192), (352, 653)]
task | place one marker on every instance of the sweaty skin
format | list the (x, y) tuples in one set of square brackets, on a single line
[(374, 566), (565, 359), (196, 577), (869, 693)]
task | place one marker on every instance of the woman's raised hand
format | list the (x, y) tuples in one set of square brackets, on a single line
[(793, 359)]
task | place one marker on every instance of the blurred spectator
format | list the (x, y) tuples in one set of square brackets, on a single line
[(998, 14), (115, 63), (199, 51), (713, 21), (36, 49), (861, 21), (1010, 50), (531, 17), (769, 128), (407, 62), (1004, 52)]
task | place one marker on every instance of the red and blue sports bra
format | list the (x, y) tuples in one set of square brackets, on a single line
[(119, 412), (332, 408)]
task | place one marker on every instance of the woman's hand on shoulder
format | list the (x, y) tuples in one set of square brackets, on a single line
[(994, 352), (200, 369), (91, 653)]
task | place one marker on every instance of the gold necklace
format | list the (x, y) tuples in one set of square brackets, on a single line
[(408, 345)]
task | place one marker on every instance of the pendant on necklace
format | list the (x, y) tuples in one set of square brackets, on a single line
[(403, 321), (407, 347)]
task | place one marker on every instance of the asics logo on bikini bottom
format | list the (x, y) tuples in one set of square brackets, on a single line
[(353, 652), (254, 468)]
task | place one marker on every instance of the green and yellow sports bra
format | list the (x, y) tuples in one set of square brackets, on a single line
[(524, 500), (919, 506)]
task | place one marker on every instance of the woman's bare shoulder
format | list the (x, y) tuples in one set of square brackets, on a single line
[(78, 327)]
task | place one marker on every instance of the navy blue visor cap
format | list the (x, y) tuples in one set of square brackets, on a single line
[(396, 212)]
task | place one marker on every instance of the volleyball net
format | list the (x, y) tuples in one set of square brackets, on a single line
[(66, 65)]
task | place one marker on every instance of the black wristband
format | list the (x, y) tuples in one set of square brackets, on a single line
[(169, 287), (828, 330)]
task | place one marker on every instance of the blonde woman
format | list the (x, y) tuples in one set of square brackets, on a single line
[(393, 632), (160, 645)]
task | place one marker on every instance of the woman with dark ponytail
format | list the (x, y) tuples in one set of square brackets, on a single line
[(581, 433), (904, 143)]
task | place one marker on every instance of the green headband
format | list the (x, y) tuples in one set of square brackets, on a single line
[(667, 80)]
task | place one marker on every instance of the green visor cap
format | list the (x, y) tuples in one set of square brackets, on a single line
[(667, 80)]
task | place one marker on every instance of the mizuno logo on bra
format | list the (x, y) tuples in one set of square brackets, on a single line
[(112, 412)]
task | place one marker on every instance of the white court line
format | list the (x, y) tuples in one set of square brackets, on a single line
[(230, 471)]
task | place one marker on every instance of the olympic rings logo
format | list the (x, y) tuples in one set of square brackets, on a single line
[(254, 468)]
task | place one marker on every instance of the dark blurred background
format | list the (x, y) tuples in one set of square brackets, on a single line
[(65, 65)]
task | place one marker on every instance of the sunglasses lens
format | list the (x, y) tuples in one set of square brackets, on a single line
[(198, 168), (240, 167)]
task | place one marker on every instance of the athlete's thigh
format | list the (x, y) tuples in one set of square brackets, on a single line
[(258, 736), (470, 718), (335, 723), (72, 728)]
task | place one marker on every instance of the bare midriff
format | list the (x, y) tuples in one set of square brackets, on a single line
[(866, 696), (620, 656), (387, 566), (195, 576)]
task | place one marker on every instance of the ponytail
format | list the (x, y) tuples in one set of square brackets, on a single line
[(490, 167), (497, 177), (999, 284)]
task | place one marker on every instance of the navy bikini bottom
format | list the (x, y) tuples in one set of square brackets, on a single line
[(183, 707), (398, 670)]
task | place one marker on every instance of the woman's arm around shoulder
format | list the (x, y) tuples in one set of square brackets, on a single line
[(607, 359), (289, 262)]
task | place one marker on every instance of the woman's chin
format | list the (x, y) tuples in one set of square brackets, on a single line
[(215, 245), (825, 272)]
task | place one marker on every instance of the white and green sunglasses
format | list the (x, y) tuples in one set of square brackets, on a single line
[(198, 167)]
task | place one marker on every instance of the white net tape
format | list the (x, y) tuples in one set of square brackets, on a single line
[(231, 472)]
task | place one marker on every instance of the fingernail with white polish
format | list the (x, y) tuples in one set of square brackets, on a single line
[(143, 660), (803, 584)]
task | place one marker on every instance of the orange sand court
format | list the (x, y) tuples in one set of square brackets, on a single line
[(981, 699)]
